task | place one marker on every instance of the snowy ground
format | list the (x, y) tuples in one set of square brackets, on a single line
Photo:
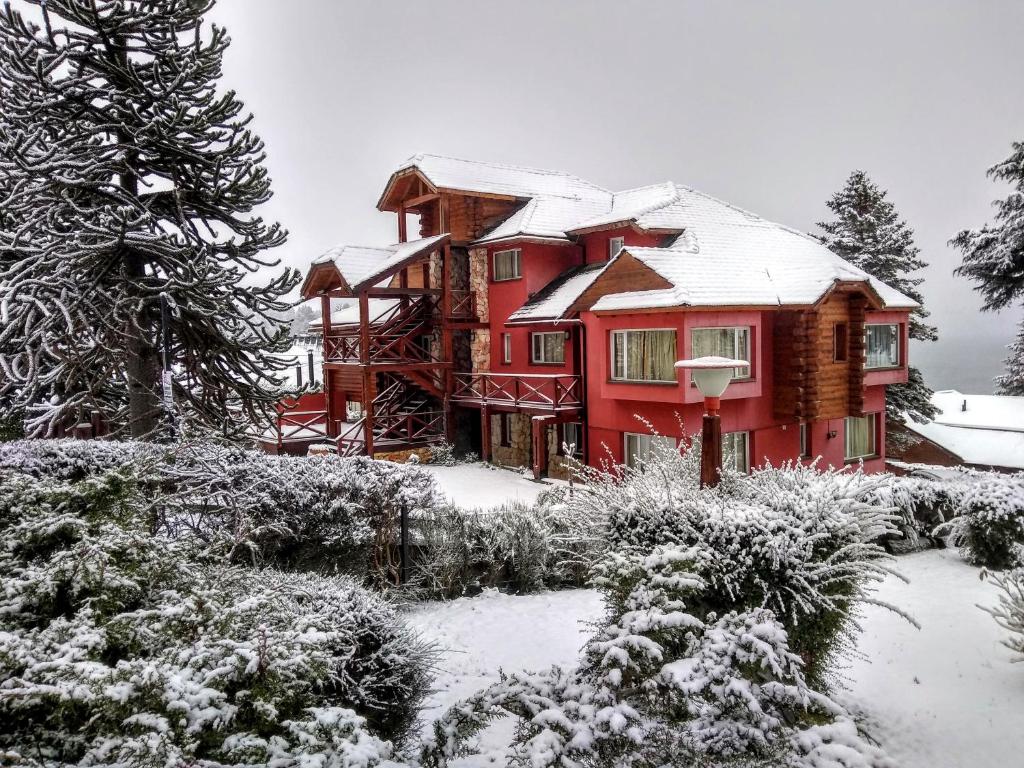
[(944, 696), (482, 486)]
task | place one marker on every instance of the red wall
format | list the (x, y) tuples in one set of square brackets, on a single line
[(595, 244)]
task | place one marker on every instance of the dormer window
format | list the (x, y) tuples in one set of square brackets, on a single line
[(615, 245)]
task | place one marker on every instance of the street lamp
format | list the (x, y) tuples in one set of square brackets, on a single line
[(711, 375)]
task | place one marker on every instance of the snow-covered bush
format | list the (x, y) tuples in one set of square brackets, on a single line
[(119, 647), (988, 522), (69, 459), (797, 541), (319, 512), (1009, 612), (522, 547), (664, 684)]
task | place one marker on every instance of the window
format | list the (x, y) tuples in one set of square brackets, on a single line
[(735, 451), (505, 430), (353, 411), (507, 265), (548, 347), (640, 447), (644, 355), (615, 245), (860, 437), (723, 342), (883, 346), (571, 442), (805, 441), (840, 342), (506, 348)]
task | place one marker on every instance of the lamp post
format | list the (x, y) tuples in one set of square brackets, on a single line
[(711, 375)]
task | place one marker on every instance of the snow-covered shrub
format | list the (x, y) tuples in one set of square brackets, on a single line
[(69, 459), (1009, 612), (797, 541), (988, 522), (119, 647), (318, 512), (664, 684), (522, 547), (443, 454)]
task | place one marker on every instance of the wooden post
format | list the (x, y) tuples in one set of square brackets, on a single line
[(540, 447), (711, 451), (364, 363), (485, 433), (447, 343), (401, 224), (331, 414)]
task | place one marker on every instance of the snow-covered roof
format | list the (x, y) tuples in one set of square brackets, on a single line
[(726, 256), (554, 301), (500, 179), (350, 315), (640, 206), (989, 432), (362, 265)]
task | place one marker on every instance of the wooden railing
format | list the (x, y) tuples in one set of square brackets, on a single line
[(394, 336), (463, 305), (300, 425), (553, 391)]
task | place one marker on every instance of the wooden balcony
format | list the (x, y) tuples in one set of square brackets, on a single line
[(518, 391)]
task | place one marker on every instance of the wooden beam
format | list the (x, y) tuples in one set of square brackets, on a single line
[(385, 292), (485, 433), (415, 202), (401, 224)]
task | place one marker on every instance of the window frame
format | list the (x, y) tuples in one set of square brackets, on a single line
[(506, 348), (841, 353), (898, 335), (517, 261), (872, 420), (505, 430), (533, 347), (562, 438), (627, 456), (750, 348), (613, 251), (625, 378), (805, 440), (746, 448)]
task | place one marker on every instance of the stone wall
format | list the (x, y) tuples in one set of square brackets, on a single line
[(520, 453), (480, 344)]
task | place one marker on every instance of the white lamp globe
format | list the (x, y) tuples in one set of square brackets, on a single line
[(712, 374)]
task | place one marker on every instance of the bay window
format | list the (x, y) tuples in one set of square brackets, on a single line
[(736, 451), (860, 437), (639, 448), (548, 347), (507, 265), (644, 355), (723, 342), (882, 343)]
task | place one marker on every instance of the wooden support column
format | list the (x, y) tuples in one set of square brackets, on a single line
[(332, 416), (364, 363), (540, 447), (485, 433), (447, 341), (402, 236)]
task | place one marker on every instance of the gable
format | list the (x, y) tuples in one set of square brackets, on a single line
[(625, 274)]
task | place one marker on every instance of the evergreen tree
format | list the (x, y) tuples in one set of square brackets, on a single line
[(125, 174), (994, 260), (1012, 382), (868, 233)]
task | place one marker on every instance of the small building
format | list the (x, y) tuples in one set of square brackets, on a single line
[(978, 431), (537, 314)]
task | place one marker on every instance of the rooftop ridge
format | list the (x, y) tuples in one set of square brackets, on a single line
[(411, 161)]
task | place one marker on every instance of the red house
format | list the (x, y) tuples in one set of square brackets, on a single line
[(535, 311)]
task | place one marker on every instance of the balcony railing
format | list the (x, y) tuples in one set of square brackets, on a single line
[(526, 390), (462, 306)]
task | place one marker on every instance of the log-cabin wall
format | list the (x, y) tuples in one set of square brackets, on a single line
[(830, 398), (470, 216)]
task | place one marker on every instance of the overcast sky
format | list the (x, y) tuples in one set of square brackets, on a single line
[(768, 105)]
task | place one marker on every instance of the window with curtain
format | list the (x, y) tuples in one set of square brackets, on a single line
[(860, 437), (571, 443), (644, 355), (615, 245), (805, 441), (883, 346), (736, 451), (640, 447), (507, 265), (723, 342), (506, 347), (505, 430), (548, 347)]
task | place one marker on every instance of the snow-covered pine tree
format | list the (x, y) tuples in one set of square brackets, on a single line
[(994, 260), (868, 232), (1012, 381), (128, 174)]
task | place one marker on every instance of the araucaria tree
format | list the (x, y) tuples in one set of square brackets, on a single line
[(126, 174), (994, 260), (868, 232)]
